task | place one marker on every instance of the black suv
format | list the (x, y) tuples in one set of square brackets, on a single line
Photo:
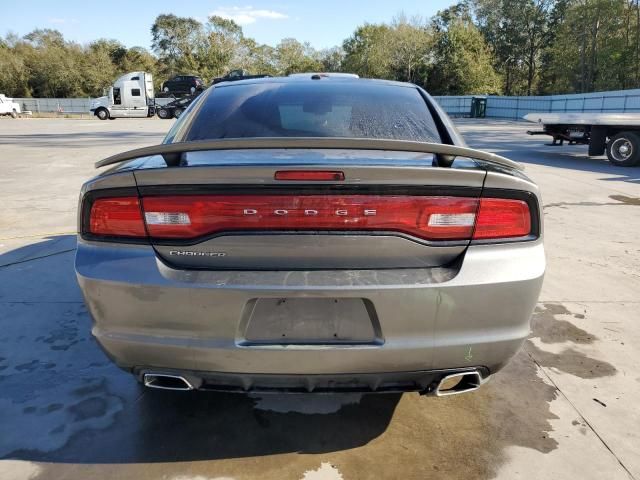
[(181, 84)]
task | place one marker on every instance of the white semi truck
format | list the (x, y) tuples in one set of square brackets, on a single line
[(617, 134), (130, 96)]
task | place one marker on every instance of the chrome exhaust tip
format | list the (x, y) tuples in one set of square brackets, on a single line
[(456, 383), (165, 381)]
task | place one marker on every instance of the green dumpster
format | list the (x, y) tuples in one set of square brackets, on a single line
[(478, 107)]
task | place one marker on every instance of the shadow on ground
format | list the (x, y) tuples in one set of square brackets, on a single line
[(59, 393), (75, 139)]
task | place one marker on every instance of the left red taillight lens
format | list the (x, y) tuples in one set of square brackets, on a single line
[(116, 217)]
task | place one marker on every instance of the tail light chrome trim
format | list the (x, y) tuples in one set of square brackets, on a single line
[(216, 214)]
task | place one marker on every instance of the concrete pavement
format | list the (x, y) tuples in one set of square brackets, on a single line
[(563, 408)]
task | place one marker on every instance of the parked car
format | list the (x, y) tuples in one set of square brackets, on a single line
[(235, 75), (311, 234), (174, 109), (9, 107), (183, 84)]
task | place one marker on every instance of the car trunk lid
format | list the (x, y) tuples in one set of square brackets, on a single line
[(294, 209)]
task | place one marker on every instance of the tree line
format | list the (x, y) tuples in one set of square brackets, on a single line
[(511, 47)]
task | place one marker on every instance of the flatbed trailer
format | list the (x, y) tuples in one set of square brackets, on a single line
[(616, 134)]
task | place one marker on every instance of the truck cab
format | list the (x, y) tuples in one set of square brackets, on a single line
[(130, 96), (9, 107)]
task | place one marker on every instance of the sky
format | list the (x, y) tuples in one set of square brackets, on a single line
[(323, 23)]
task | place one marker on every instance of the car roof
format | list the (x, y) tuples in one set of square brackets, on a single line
[(301, 78)]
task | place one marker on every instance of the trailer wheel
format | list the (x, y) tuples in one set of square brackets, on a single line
[(177, 112), (102, 113), (14, 114), (163, 113), (623, 149)]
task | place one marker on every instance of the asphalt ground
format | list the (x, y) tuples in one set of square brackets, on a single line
[(565, 407)]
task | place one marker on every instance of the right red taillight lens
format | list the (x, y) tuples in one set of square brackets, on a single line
[(502, 218), (188, 217)]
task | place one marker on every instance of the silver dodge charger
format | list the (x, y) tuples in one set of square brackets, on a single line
[(316, 233)]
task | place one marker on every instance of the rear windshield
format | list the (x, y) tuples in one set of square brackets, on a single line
[(314, 109)]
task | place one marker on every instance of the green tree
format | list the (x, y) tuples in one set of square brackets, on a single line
[(593, 48), (411, 42), (368, 52), (219, 46), (518, 31), (462, 61), (255, 57), (293, 57), (176, 40), (55, 66), (14, 72), (332, 59)]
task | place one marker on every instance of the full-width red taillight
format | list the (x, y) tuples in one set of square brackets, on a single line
[(430, 218), (116, 217), (434, 218), (502, 218)]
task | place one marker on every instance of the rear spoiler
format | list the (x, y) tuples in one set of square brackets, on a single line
[(445, 154)]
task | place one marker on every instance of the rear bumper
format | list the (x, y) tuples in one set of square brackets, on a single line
[(425, 382), (148, 315)]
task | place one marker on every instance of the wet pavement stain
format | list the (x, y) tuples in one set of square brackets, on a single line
[(619, 200), (513, 409), (550, 329), (48, 392), (382, 433), (56, 422), (65, 335), (573, 362), (626, 200), (93, 407)]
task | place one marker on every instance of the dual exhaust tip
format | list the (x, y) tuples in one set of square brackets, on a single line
[(456, 383), (165, 381), (450, 384)]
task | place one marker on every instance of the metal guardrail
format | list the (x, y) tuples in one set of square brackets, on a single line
[(515, 108), (59, 105), (457, 106)]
